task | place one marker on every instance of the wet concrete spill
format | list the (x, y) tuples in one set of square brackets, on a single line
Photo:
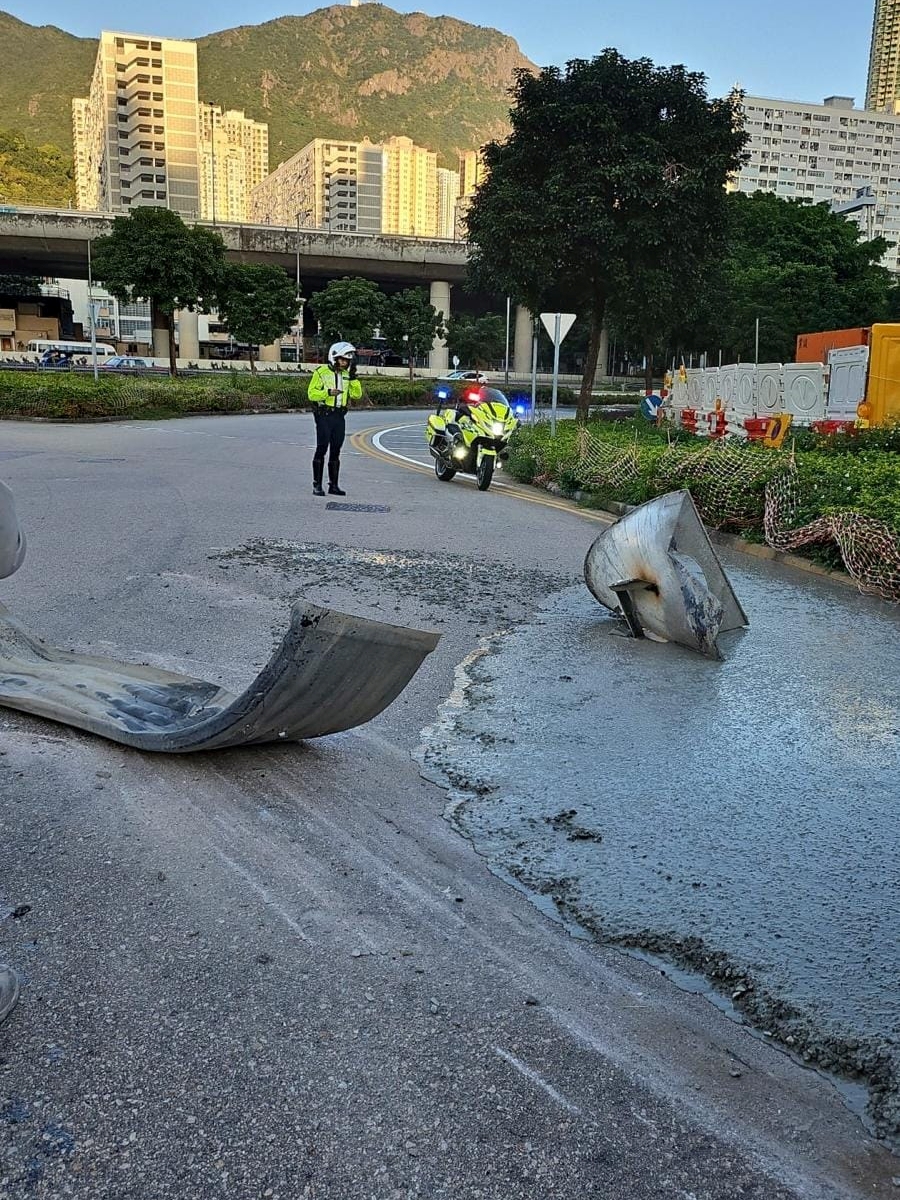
[(737, 820), (492, 595)]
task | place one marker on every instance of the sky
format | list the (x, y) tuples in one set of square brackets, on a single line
[(787, 49)]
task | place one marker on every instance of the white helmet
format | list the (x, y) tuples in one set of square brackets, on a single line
[(341, 350)]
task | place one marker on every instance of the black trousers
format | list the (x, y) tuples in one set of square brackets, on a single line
[(330, 432)]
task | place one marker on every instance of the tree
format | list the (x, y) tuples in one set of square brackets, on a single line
[(476, 341), (613, 167), (349, 310), (409, 320), (257, 303), (799, 268), (152, 255)]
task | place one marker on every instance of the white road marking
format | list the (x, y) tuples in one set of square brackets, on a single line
[(534, 1077), (416, 462)]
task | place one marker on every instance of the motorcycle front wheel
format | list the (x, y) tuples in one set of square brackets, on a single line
[(485, 473), (443, 472)]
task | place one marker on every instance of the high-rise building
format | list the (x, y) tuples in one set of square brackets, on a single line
[(826, 153), (136, 134), (471, 175), (234, 158), (471, 172), (883, 90), (333, 185), (409, 195), (447, 196)]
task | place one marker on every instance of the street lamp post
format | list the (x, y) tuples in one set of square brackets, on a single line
[(299, 302), (91, 311)]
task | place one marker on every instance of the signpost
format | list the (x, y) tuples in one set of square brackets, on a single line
[(557, 325)]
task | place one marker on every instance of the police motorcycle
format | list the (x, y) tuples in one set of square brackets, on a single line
[(469, 433)]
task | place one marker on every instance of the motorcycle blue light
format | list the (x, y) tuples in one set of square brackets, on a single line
[(442, 394), (519, 409)]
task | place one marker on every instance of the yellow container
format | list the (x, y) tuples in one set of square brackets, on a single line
[(883, 387)]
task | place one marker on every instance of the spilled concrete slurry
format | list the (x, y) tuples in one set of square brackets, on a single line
[(492, 596), (735, 819)]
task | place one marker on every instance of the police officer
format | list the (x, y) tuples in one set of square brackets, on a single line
[(331, 389)]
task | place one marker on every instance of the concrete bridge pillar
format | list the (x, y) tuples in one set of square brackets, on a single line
[(522, 341), (160, 335), (188, 334), (440, 300), (270, 353), (603, 356)]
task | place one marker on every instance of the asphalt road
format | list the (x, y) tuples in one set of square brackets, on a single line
[(280, 972)]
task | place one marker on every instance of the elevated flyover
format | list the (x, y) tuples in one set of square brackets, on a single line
[(55, 242)]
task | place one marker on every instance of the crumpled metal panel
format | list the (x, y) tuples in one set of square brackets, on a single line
[(658, 569), (331, 672)]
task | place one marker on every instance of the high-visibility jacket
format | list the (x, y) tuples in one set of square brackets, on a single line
[(326, 379)]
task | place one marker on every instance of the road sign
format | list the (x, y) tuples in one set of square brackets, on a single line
[(557, 325), (566, 321)]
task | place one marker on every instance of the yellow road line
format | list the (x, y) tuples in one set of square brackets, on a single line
[(362, 441)]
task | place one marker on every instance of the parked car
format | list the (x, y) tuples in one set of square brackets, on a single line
[(466, 376), (126, 362)]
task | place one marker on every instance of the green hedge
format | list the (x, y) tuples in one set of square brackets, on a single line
[(70, 397), (861, 474), (76, 396)]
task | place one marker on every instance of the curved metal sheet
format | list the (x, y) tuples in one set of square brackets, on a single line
[(656, 566), (331, 672)]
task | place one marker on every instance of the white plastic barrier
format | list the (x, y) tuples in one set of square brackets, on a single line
[(744, 398), (769, 389), (804, 392), (847, 372)]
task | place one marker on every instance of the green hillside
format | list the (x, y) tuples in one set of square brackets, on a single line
[(41, 69), (34, 174), (352, 72), (339, 71)]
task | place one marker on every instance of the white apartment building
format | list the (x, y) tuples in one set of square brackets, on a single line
[(826, 153), (447, 196), (234, 158), (136, 134), (409, 195), (329, 184)]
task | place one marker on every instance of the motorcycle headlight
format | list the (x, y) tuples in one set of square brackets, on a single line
[(459, 452), (497, 428)]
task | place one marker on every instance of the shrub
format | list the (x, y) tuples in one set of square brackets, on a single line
[(859, 474)]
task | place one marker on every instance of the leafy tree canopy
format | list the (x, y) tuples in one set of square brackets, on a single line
[(349, 310), (799, 268), (257, 303), (410, 320), (613, 166), (476, 341), (151, 254)]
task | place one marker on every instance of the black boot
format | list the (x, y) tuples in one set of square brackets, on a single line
[(317, 479), (333, 472)]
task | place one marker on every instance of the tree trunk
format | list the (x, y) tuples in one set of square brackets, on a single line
[(411, 369), (173, 365), (590, 363), (648, 366), (252, 360)]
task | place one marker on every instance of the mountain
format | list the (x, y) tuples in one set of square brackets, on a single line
[(339, 71), (351, 72), (41, 69), (34, 174)]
